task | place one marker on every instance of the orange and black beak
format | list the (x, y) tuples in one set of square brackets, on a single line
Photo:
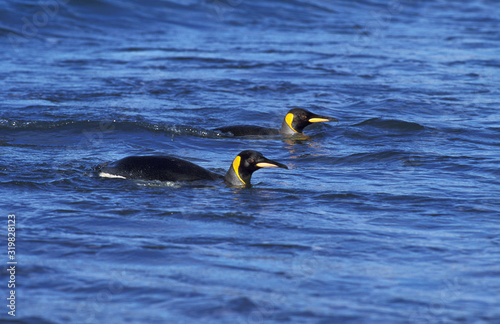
[(264, 162), (318, 119)]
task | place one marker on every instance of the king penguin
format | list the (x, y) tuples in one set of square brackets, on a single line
[(168, 168), (294, 123)]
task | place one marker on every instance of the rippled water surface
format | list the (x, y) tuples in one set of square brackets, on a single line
[(390, 215)]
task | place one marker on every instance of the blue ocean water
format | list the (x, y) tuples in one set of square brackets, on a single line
[(390, 215)]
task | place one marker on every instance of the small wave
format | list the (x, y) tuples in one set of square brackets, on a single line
[(159, 184), (372, 158), (86, 126), (391, 124), (335, 196), (382, 156), (35, 125), (4, 31)]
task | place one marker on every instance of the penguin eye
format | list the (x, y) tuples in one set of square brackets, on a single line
[(250, 161)]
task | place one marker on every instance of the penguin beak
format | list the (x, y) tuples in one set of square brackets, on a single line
[(319, 119), (266, 163)]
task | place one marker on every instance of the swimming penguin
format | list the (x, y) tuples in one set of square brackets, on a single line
[(295, 121), (167, 168)]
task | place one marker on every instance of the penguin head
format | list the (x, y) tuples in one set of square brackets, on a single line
[(246, 163), (297, 119)]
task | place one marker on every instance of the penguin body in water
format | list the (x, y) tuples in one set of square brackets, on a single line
[(168, 168), (294, 123)]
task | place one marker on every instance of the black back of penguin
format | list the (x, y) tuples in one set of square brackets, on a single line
[(245, 130), (162, 168)]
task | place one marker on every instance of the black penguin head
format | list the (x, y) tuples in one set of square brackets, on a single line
[(297, 119), (246, 163)]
